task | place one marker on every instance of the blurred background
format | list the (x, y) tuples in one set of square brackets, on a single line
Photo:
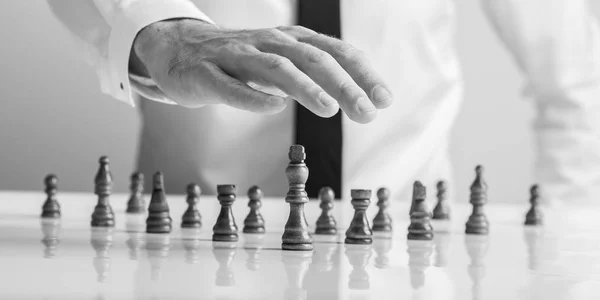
[(54, 118)]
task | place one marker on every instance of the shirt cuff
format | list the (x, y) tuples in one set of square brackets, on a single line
[(132, 18)]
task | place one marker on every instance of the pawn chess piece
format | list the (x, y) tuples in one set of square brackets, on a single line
[(51, 208), (419, 260), (159, 220), (296, 266), (191, 217), (477, 247), (441, 211), (103, 215), (326, 223), (359, 231), (254, 222), (358, 256), (102, 240), (420, 225), (158, 248), (534, 215), (225, 229), (382, 249), (296, 235), (382, 221), (253, 245), (136, 203), (478, 223), (224, 253), (50, 230)]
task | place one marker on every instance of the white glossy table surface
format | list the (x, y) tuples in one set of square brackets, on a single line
[(69, 260)]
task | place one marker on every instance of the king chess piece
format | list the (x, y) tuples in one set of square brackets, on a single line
[(136, 203), (441, 211), (296, 235), (420, 221), (478, 223), (382, 221), (225, 229), (159, 220), (254, 222), (326, 223), (51, 208), (359, 231), (103, 215), (191, 217), (534, 215)]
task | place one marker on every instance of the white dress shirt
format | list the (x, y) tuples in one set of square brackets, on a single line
[(555, 43)]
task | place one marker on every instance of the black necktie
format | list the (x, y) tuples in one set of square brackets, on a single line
[(321, 137)]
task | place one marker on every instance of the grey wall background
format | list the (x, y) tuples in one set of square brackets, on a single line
[(53, 117)]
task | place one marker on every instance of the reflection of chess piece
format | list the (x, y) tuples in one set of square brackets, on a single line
[(477, 247), (358, 256), (51, 208), (157, 247), (135, 227), (253, 244), (533, 238), (419, 259), (382, 221), (534, 215), (50, 230), (102, 240), (224, 253), (296, 265), (442, 245), (192, 250), (325, 248), (382, 248)]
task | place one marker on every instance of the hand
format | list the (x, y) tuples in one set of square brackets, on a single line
[(196, 63)]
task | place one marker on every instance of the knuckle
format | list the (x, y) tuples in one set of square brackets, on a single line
[(271, 34), (274, 62), (317, 56), (346, 89), (346, 51)]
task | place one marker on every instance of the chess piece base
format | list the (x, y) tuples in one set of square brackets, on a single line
[(363, 241), (326, 231), (297, 247), (158, 229), (248, 229), (420, 236), (382, 228), (233, 237), (193, 225)]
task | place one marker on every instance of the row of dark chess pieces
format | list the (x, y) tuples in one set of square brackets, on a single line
[(296, 235)]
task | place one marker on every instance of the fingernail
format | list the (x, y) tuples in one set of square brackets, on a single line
[(365, 105), (381, 94), (326, 100)]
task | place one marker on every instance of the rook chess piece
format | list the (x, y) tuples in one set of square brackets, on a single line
[(136, 203), (326, 222), (478, 223), (225, 229), (420, 225), (382, 221), (159, 220), (534, 215), (359, 231), (254, 222), (441, 211), (296, 235), (103, 215), (51, 208), (191, 217)]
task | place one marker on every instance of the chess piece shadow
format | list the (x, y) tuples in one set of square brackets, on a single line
[(477, 247), (102, 240), (50, 230), (224, 253), (135, 227), (382, 248), (253, 245), (158, 247), (419, 260), (358, 256), (442, 243), (296, 265)]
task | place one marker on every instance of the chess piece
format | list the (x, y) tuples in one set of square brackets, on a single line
[(419, 260), (136, 203), (382, 221), (326, 222), (441, 211), (359, 231), (102, 240), (51, 208), (158, 247), (382, 248), (253, 245), (534, 216), (358, 256), (224, 253), (225, 229), (103, 215), (477, 247), (478, 223), (296, 235), (296, 265), (50, 230), (420, 225), (135, 228), (254, 222), (159, 220), (191, 217), (442, 246)]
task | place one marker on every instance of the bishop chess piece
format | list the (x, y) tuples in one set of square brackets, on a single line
[(224, 253), (534, 215), (419, 260), (225, 229), (296, 235), (478, 223), (136, 203), (358, 256), (420, 223), (159, 220), (359, 231), (477, 247), (296, 266), (51, 208), (191, 217), (102, 240), (382, 249), (441, 211), (382, 221), (326, 223), (158, 247), (103, 215), (253, 245), (254, 222), (50, 230)]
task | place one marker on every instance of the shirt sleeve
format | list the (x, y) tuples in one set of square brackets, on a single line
[(106, 29)]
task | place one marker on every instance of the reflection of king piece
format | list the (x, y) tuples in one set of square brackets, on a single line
[(419, 259), (477, 247), (102, 240), (50, 231), (296, 265), (224, 253), (157, 246), (358, 256)]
